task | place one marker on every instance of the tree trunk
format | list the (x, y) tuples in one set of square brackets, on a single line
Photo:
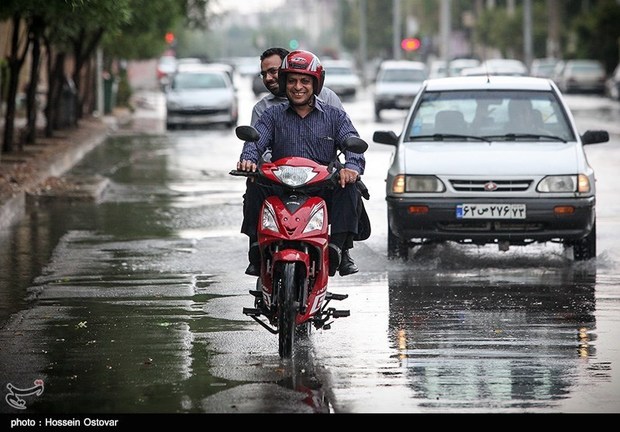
[(15, 64), (32, 107)]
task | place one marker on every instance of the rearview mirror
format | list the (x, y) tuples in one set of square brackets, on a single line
[(595, 137), (247, 133)]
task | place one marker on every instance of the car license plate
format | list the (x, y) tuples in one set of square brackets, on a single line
[(404, 103), (490, 211)]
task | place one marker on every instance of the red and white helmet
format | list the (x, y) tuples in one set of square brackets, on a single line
[(302, 62)]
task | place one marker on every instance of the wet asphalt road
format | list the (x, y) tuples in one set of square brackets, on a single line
[(133, 304)]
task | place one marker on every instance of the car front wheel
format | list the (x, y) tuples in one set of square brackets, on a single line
[(396, 248), (585, 248)]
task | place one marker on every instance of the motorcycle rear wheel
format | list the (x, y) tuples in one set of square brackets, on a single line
[(287, 310)]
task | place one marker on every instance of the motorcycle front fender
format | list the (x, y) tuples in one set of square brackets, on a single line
[(291, 255)]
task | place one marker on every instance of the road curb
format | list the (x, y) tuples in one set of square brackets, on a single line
[(56, 162)]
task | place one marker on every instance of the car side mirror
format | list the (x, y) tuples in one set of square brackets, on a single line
[(594, 137), (385, 137)]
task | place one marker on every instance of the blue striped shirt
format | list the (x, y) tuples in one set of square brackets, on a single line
[(316, 136)]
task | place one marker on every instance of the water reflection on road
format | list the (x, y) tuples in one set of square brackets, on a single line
[(134, 304)]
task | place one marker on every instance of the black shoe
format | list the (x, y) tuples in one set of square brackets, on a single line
[(347, 266), (334, 258), (254, 258), (253, 269)]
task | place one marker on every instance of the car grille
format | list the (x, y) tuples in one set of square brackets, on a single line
[(490, 185)]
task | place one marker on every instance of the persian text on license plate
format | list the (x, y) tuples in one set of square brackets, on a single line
[(490, 211)]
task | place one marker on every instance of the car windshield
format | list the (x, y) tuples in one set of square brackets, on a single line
[(489, 115), (402, 75), (195, 81)]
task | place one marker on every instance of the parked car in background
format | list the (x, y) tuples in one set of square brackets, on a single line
[(581, 76), (457, 65), (507, 67), (341, 77), (397, 84), (612, 85), (438, 69), (200, 95), (490, 160), (543, 67)]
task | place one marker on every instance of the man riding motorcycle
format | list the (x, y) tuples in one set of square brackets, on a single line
[(307, 127)]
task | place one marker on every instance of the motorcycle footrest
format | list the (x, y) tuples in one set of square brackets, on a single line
[(256, 293), (332, 296), (341, 313), (251, 311)]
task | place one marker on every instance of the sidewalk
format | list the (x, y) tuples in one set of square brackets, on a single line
[(26, 172)]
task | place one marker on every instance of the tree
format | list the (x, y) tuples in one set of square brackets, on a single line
[(598, 34), (77, 28), (19, 48)]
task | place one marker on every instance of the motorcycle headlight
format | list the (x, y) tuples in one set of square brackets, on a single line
[(294, 176), (316, 220), (268, 219), (565, 183)]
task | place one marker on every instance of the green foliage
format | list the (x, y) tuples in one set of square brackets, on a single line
[(598, 34), (142, 35)]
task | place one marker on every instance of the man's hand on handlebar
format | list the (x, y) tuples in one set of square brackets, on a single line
[(246, 165), (347, 176)]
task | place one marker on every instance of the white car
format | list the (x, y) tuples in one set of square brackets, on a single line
[(341, 78), (485, 160), (201, 95), (397, 84)]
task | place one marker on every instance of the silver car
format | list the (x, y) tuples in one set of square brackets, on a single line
[(201, 95), (490, 159), (397, 84), (342, 78)]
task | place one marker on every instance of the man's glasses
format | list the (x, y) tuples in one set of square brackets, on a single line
[(273, 72)]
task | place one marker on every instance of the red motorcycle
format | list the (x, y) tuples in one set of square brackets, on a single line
[(293, 238)]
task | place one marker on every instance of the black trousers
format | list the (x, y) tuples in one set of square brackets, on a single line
[(342, 208)]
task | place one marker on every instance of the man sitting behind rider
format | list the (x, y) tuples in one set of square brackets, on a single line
[(305, 126), (270, 61)]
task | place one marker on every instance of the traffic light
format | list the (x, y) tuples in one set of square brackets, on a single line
[(169, 38), (410, 44), (293, 44)]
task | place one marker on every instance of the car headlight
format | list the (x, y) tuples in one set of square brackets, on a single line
[(565, 183), (417, 184)]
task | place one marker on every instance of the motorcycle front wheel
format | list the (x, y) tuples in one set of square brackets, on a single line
[(287, 310)]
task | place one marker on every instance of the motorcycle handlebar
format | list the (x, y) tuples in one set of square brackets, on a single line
[(335, 179), (244, 173)]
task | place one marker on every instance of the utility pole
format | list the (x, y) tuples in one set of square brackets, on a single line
[(363, 41), (445, 29), (396, 34), (527, 32), (553, 37)]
